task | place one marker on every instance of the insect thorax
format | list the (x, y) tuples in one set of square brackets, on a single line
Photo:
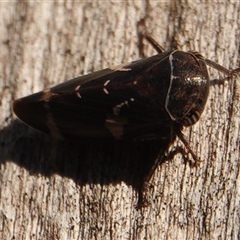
[(188, 87)]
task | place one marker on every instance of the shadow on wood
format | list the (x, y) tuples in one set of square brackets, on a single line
[(103, 163)]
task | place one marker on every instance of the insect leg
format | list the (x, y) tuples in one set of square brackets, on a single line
[(144, 186), (145, 34), (187, 146)]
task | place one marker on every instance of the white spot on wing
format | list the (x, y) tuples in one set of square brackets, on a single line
[(106, 83), (47, 94), (105, 91), (124, 69), (117, 108), (115, 125), (77, 91), (121, 68)]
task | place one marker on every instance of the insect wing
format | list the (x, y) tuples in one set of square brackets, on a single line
[(111, 103)]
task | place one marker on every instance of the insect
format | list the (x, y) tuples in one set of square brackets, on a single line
[(133, 101)]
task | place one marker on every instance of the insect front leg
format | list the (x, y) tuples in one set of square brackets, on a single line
[(187, 146)]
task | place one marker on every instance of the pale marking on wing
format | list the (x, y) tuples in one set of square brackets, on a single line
[(120, 68), (124, 69), (77, 91), (47, 94), (117, 108), (115, 125), (105, 91), (106, 83)]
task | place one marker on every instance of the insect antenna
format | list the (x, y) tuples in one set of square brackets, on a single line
[(220, 68)]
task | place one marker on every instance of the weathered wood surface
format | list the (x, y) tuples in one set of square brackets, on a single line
[(52, 190)]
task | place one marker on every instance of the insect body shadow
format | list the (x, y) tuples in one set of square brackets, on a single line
[(85, 163)]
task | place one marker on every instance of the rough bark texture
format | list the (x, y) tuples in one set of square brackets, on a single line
[(52, 190)]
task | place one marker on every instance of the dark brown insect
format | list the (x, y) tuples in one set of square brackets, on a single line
[(134, 101)]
